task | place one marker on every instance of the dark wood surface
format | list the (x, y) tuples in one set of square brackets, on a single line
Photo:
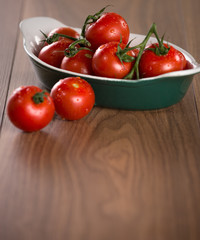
[(114, 174)]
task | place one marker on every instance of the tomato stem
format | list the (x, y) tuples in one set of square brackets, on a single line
[(74, 48), (121, 53), (90, 19), (55, 37), (162, 49), (39, 97)]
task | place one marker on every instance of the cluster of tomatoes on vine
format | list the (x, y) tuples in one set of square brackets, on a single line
[(102, 49)]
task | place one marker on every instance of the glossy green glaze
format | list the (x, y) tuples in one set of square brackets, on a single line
[(129, 94)]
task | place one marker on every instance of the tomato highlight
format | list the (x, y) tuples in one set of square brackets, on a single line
[(106, 63), (30, 108), (152, 64), (73, 97)]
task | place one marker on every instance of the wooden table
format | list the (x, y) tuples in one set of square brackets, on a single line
[(114, 174)]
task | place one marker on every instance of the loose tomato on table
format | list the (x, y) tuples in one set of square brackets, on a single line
[(30, 108), (109, 60), (154, 63), (73, 97)]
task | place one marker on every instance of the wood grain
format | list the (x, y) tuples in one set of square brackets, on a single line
[(114, 174), (8, 39), (192, 39)]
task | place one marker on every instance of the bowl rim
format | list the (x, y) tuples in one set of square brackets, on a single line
[(24, 24)]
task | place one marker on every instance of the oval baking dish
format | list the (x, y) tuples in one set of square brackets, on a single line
[(143, 94)]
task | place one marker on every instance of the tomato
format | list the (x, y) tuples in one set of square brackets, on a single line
[(54, 53), (73, 97), (109, 27), (106, 63), (30, 109), (153, 65), (66, 31), (80, 63)]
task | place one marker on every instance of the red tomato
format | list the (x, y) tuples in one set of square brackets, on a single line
[(30, 109), (80, 63), (110, 27), (105, 62), (73, 97), (153, 65), (66, 31), (54, 53)]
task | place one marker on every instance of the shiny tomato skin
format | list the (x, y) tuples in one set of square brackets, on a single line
[(73, 97), (27, 115), (80, 63), (54, 53), (66, 31), (109, 27), (105, 62), (153, 65)]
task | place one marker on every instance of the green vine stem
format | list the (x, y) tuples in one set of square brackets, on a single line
[(161, 49), (90, 19), (55, 37), (74, 47)]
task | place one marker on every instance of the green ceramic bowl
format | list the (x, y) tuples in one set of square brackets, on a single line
[(146, 93)]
